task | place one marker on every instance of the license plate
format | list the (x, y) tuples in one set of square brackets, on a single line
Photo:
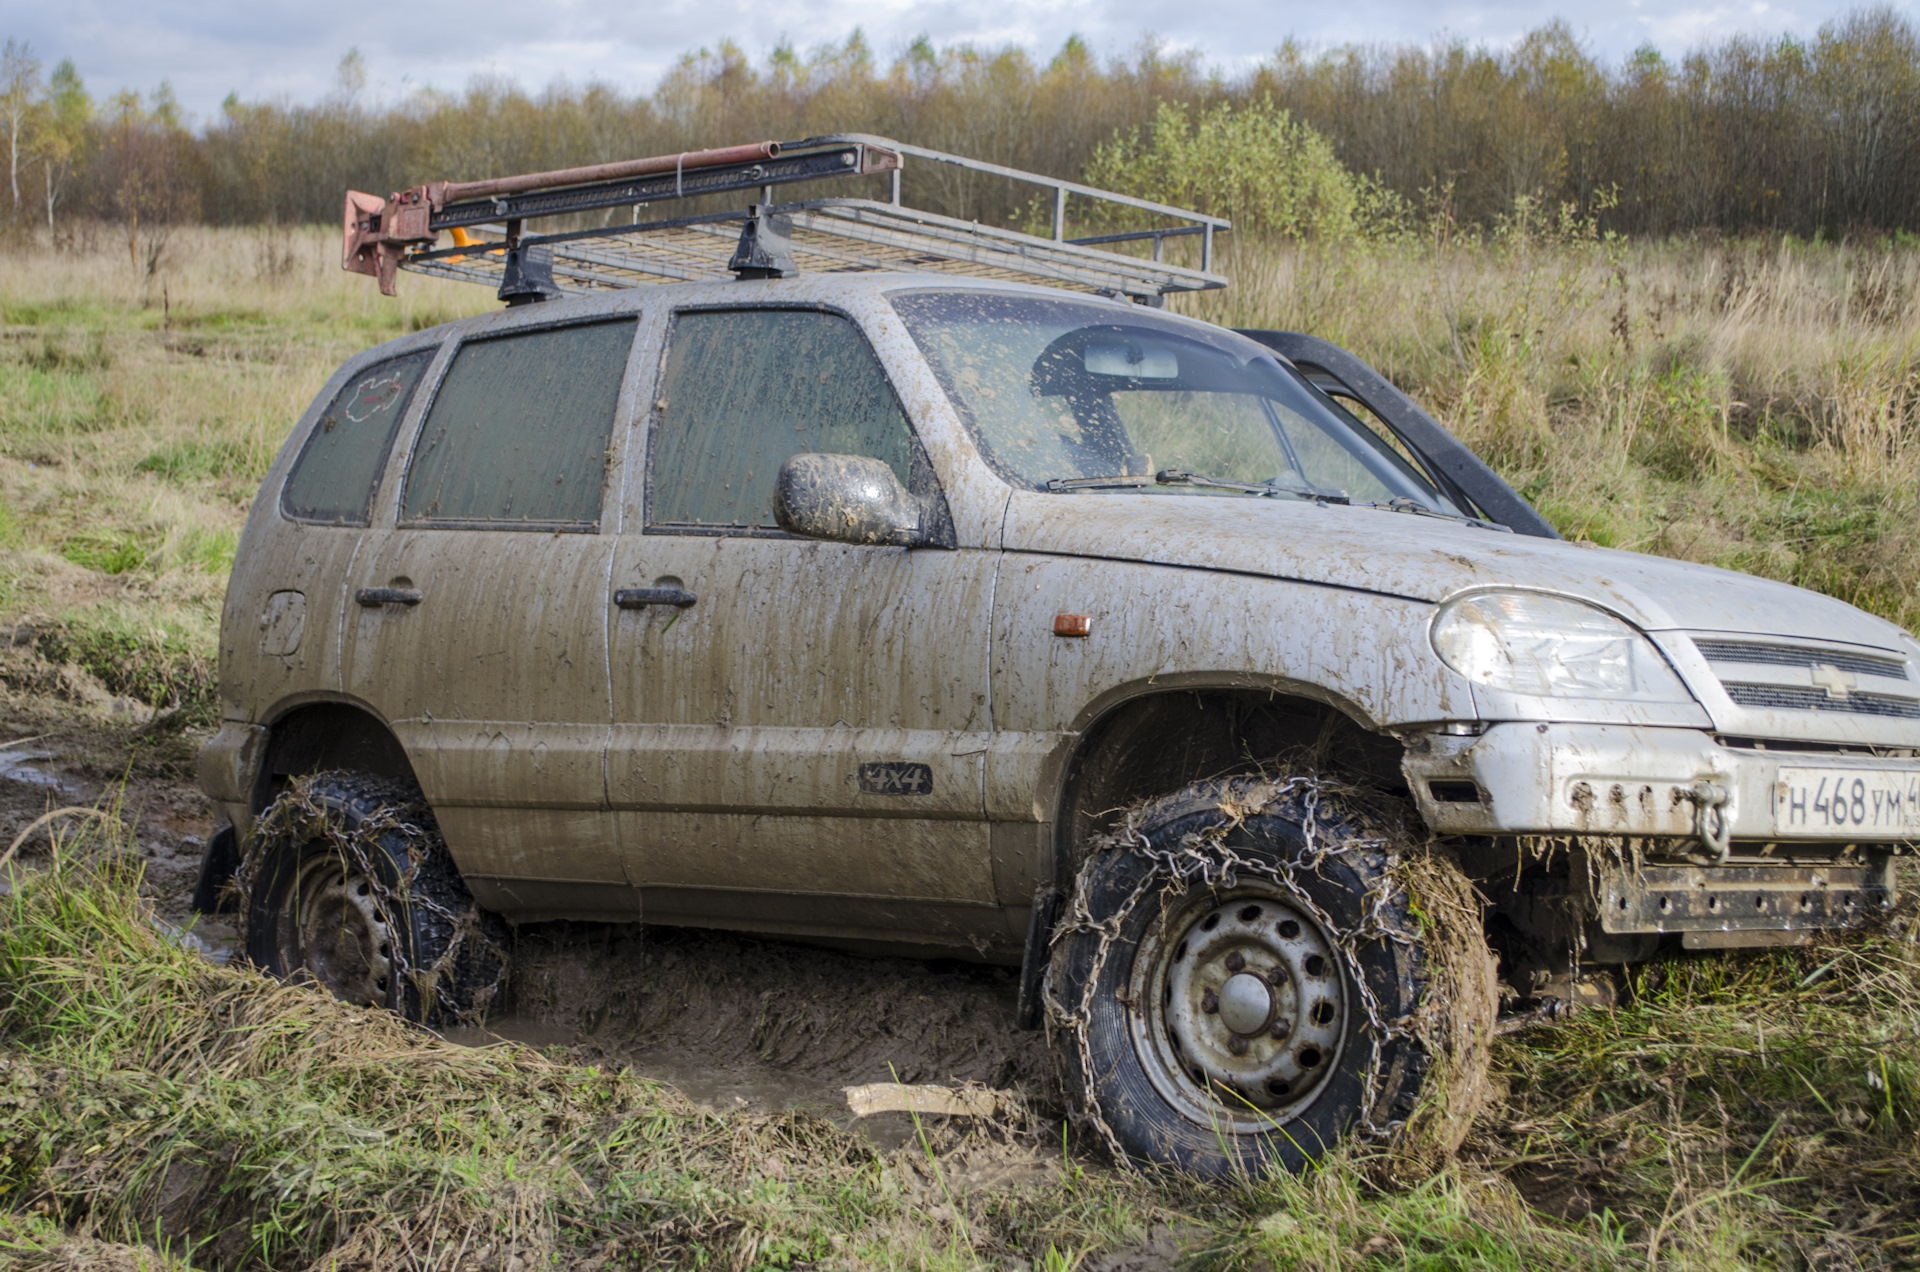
[(1846, 801)]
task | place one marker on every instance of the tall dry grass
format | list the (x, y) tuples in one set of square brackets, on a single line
[(1753, 404), (137, 415)]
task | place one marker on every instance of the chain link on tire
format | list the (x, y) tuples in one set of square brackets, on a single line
[(1205, 859), (464, 975)]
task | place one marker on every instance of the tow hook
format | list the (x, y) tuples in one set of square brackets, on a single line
[(1710, 822), (1555, 998)]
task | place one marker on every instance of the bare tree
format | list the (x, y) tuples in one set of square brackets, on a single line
[(62, 130), (19, 88)]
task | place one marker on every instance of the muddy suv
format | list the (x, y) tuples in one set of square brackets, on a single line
[(1194, 672)]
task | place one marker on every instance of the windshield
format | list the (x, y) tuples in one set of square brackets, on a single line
[(1071, 395)]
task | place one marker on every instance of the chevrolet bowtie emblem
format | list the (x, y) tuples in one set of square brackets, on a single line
[(1836, 682)]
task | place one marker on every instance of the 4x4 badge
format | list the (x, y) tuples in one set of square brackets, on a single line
[(896, 777)]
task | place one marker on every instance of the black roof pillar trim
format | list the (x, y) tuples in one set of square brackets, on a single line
[(1442, 452)]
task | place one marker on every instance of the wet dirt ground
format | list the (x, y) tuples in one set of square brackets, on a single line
[(737, 1022), (52, 759)]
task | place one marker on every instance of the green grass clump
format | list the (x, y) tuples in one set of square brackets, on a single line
[(157, 655), (196, 459), (107, 551)]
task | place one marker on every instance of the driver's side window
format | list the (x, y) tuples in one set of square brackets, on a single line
[(743, 390)]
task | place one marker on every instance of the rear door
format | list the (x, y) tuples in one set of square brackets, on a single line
[(799, 742), (477, 627), (288, 586)]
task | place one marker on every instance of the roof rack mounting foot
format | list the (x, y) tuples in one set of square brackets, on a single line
[(766, 247), (529, 276)]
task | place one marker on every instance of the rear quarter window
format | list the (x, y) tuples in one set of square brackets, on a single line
[(333, 481)]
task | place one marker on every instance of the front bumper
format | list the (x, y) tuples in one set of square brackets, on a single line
[(1642, 782)]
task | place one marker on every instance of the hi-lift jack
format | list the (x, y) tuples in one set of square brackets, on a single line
[(485, 220)]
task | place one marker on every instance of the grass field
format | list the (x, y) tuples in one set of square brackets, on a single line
[(1746, 404)]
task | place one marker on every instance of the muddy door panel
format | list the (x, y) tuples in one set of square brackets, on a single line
[(803, 748), (800, 726), (478, 627), (489, 663)]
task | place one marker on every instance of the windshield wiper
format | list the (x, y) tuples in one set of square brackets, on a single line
[(1180, 477), (1418, 509)]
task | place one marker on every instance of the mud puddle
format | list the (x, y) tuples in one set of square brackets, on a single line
[(64, 763), (738, 1022), (34, 769)]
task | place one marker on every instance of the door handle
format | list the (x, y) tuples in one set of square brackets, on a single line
[(372, 596), (640, 597)]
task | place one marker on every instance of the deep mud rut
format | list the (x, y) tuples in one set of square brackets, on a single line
[(732, 1021)]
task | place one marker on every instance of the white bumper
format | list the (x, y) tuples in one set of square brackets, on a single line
[(1589, 779)]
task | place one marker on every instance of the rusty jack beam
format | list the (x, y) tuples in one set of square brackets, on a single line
[(378, 233)]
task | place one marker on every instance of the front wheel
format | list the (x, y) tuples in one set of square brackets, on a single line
[(348, 885), (1242, 981)]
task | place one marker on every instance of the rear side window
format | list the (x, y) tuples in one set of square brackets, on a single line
[(746, 389), (517, 435), (333, 480)]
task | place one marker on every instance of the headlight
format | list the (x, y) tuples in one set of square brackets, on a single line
[(1548, 646)]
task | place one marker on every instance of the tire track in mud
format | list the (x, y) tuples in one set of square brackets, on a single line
[(734, 1020)]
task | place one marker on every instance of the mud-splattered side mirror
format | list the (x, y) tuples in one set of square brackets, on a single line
[(848, 499)]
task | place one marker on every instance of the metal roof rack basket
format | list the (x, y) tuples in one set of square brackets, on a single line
[(485, 220)]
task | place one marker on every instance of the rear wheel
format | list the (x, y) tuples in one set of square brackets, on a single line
[(349, 887), (1241, 982)]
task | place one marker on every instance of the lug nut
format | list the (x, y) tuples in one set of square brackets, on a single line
[(1236, 961), (1237, 1045), (1281, 1027), (1210, 1002)]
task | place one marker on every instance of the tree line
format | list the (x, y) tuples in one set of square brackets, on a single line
[(1818, 137)]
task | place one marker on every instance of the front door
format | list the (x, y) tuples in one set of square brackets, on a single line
[(478, 628), (800, 727)]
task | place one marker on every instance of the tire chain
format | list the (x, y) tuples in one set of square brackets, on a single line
[(1203, 858), (299, 813)]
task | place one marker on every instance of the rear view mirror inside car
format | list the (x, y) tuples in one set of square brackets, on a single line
[(1132, 360)]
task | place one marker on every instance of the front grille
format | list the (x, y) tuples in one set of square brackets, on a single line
[(1734, 651), (1785, 698)]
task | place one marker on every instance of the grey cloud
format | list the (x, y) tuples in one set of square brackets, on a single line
[(274, 48)]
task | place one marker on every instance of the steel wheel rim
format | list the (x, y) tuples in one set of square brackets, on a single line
[(336, 933), (1241, 1007)]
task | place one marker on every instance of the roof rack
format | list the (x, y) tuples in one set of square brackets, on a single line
[(765, 239)]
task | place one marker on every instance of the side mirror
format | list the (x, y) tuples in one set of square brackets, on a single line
[(847, 499)]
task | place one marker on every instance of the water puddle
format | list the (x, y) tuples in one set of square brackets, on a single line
[(23, 767)]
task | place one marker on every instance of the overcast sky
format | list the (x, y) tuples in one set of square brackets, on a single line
[(289, 48)]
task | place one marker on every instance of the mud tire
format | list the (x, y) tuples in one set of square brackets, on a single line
[(1433, 990), (347, 883)]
